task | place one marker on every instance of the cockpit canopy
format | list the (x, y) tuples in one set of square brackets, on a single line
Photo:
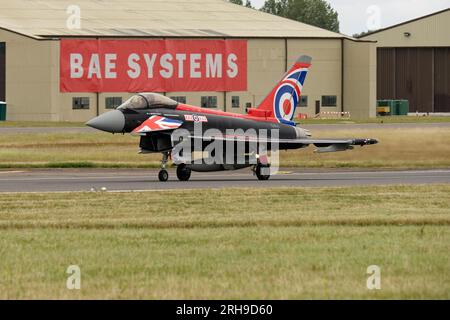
[(148, 101)]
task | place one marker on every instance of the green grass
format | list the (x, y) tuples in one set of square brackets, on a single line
[(232, 243), (403, 148)]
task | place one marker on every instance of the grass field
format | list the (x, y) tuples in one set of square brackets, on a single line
[(398, 148), (232, 243)]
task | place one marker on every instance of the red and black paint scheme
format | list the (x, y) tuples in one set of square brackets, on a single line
[(155, 117)]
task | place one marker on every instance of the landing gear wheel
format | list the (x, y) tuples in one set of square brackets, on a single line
[(183, 172), (163, 175), (260, 170)]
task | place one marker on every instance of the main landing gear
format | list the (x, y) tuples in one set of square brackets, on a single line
[(262, 168), (183, 172), (262, 171)]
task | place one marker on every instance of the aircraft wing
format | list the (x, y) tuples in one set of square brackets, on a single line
[(323, 145), (333, 145), (156, 123)]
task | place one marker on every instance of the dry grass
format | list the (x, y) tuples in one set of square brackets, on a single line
[(234, 243), (398, 148)]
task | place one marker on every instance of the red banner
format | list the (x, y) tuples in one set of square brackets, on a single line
[(153, 65)]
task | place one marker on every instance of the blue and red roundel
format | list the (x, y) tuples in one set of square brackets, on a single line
[(287, 95)]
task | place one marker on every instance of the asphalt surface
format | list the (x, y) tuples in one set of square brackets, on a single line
[(146, 179)]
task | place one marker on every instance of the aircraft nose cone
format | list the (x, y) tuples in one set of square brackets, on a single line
[(111, 121)]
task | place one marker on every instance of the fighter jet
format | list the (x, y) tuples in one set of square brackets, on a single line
[(158, 120)]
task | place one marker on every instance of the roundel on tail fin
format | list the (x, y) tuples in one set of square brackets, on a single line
[(287, 94), (282, 101)]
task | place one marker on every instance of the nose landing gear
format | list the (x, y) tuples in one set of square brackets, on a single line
[(163, 175), (183, 172)]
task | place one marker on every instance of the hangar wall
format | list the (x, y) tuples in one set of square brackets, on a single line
[(266, 63), (325, 75), (414, 62), (33, 78), (360, 79), (29, 75), (430, 31)]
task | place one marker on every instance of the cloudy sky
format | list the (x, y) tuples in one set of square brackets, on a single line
[(357, 15)]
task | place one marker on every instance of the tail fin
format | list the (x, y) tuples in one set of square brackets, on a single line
[(284, 98)]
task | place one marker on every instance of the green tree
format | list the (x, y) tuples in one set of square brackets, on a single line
[(248, 3), (276, 7), (363, 33), (318, 13)]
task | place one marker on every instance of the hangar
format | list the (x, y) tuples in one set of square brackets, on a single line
[(413, 62), (61, 62)]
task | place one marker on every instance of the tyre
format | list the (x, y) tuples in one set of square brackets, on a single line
[(163, 175), (260, 170), (183, 172)]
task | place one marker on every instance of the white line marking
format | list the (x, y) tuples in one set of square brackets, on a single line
[(3, 172)]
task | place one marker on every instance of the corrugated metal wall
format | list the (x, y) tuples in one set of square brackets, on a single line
[(420, 75), (2, 71), (386, 74), (442, 80)]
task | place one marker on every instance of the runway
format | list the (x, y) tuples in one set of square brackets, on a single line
[(146, 179)]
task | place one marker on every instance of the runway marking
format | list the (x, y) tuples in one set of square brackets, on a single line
[(3, 172), (108, 191), (284, 172)]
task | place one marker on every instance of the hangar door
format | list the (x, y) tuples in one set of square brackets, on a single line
[(2, 71), (420, 75), (442, 80)]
